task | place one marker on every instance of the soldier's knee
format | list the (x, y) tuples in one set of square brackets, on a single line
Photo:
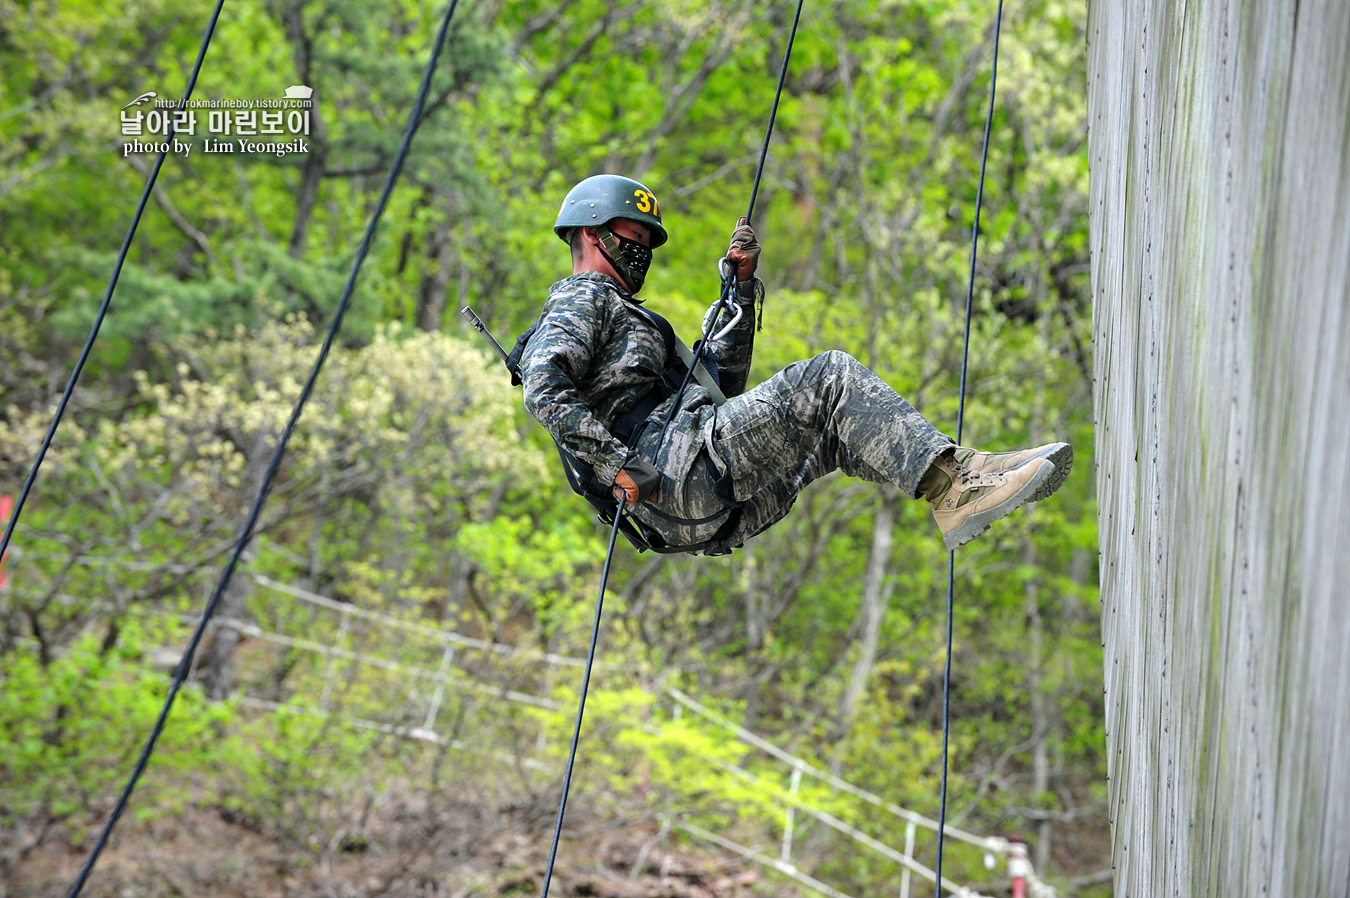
[(815, 385), (820, 382), (834, 364)]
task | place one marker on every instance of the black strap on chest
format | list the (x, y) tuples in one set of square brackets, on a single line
[(628, 430), (675, 365)]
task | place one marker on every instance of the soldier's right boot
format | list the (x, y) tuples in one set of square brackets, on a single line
[(970, 490), (1059, 454)]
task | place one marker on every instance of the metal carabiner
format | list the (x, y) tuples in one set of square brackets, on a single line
[(726, 273), (735, 318)]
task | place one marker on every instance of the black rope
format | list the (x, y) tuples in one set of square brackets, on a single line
[(729, 279), (107, 295), (960, 426), (773, 112), (727, 296), (581, 706), (186, 663)]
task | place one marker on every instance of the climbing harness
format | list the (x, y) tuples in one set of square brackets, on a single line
[(960, 425), (629, 429), (185, 665), (107, 295)]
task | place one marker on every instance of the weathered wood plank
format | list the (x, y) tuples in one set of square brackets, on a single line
[(1220, 151)]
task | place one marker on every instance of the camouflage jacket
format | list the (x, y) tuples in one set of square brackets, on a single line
[(593, 358)]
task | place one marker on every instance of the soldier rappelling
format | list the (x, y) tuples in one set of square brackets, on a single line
[(597, 374)]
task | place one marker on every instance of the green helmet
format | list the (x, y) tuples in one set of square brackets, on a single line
[(602, 198)]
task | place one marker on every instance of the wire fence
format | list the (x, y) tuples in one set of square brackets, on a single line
[(403, 677), (451, 649)]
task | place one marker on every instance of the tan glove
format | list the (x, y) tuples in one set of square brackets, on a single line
[(744, 251), (637, 481)]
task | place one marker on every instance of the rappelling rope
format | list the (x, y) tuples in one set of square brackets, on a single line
[(773, 114), (585, 687), (728, 294), (710, 328), (186, 663), (107, 295), (960, 425)]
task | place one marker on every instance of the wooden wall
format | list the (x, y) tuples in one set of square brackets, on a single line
[(1220, 182)]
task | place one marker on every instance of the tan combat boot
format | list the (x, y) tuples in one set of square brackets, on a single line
[(1060, 454), (971, 489)]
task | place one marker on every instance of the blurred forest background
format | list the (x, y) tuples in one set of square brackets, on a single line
[(385, 706)]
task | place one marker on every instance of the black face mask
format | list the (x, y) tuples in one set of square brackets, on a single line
[(629, 258)]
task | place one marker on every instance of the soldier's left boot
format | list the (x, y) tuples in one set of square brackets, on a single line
[(970, 489)]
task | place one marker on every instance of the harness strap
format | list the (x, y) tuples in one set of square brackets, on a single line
[(706, 378), (715, 545), (628, 430), (674, 346), (582, 480), (688, 522), (701, 373)]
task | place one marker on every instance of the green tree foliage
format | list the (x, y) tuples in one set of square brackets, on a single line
[(417, 492), (71, 722)]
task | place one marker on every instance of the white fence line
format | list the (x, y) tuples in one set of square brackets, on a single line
[(421, 734), (905, 860), (992, 844), (444, 676), (444, 635), (752, 854)]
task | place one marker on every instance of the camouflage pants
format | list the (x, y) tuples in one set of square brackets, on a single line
[(815, 416)]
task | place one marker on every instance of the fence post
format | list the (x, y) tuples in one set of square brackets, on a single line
[(1018, 868), (909, 853), (790, 818), (328, 668), (434, 708)]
